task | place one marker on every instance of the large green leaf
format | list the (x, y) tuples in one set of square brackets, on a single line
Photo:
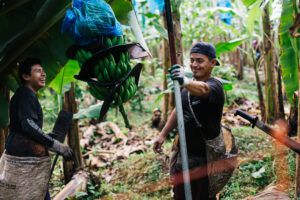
[(121, 9), (253, 15), (223, 47), (90, 112), (15, 15), (289, 58), (65, 76), (160, 28), (248, 3), (3, 112), (11, 82), (51, 12)]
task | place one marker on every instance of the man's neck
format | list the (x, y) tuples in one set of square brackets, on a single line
[(31, 88), (204, 79)]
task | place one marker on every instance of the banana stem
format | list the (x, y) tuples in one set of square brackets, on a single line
[(124, 115)]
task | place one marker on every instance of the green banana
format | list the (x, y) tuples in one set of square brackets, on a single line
[(101, 78), (112, 65), (107, 42), (106, 62), (124, 39), (114, 40), (118, 73), (120, 40), (106, 75), (98, 92), (127, 55), (123, 68), (122, 58), (121, 90)]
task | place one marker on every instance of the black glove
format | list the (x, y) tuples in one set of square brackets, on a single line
[(62, 149), (177, 73)]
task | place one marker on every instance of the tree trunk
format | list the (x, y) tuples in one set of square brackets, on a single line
[(73, 136), (271, 96), (272, 106), (239, 63), (4, 91), (298, 139), (281, 114), (259, 90)]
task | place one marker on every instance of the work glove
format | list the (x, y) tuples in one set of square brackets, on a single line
[(62, 149), (177, 73)]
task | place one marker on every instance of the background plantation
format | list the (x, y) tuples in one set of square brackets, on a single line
[(257, 45)]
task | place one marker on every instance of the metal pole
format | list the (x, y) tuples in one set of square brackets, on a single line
[(178, 103)]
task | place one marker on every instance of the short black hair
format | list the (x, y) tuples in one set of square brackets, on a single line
[(25, 67)]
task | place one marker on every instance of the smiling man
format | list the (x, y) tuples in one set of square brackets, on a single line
[(202, 103), (26, 162)]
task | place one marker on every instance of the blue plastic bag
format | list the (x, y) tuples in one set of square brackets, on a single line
[(225, 17), (89, 20)]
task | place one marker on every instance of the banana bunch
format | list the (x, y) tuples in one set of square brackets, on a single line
[(108, 42), (126, 92), (110, 69)]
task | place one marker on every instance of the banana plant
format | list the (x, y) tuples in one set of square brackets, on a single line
[(36, 32), (289, 47)]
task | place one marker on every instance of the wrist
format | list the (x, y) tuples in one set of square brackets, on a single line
[(186, 81)]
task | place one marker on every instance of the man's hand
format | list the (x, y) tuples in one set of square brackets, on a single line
[(62, 149), (157, 144), (177, 73)]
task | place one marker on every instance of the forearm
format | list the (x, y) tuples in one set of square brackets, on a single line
[(170, 125), (198, 88), (32, 130)]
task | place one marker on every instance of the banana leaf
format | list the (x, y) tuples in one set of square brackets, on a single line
[(231, 45), (253, 15), (248, 3), (90, 112), (50, 13), (121, 9), (65, 76), (289, 57), (160, 28)]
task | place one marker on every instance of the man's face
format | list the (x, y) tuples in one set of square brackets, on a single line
[(201, 66), (37, 78)]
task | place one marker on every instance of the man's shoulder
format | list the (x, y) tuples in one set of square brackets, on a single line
[(215, 80), (23, 93)]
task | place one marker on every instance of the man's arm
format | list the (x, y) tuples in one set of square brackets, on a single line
[(170, 125), (198, 88), (33, 131)]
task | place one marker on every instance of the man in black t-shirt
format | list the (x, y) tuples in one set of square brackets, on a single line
[(202, 103), (26, 140)]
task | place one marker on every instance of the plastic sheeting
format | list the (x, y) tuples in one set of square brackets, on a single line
[(225, 17), (89, 20)]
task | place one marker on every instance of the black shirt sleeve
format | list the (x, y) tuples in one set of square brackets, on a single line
[(31, 121), (33, 131), (216, 94)]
